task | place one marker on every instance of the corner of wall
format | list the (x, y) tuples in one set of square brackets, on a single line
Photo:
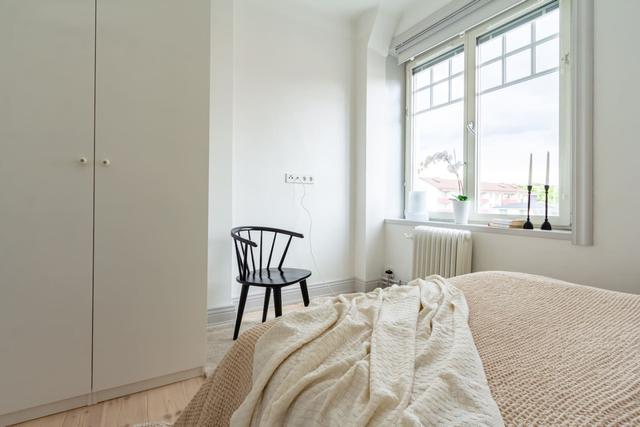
[(378, 139)]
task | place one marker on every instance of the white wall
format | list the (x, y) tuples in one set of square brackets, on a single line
[(362, 30), (614, 260), (221, 153), (417, 11), (292, 113), (304, 92), (393, 158), (378, 139)]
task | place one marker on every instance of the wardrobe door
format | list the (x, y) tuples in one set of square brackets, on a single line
[(152, 114), (46, 200)]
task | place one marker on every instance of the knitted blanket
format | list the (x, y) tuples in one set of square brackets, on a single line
[(554, 353), (396, 356)]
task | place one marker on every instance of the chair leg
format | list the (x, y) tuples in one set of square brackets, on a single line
[(305, 292), (243, 300), (277, 301), (265, 310)]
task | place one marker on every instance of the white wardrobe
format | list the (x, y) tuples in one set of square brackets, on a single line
[(104, 112)]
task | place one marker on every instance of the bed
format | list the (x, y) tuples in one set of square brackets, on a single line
[(553, 353)]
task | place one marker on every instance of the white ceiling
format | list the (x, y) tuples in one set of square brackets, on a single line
[(347, 8)]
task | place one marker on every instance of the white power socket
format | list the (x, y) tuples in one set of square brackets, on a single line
[(292, 178)]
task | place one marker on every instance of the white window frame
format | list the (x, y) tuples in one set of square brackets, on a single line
[(468, 40)]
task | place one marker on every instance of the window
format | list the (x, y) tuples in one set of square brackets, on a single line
[(438, 111), (489, 98)]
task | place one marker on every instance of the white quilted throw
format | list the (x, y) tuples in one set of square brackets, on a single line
[(401, 356)]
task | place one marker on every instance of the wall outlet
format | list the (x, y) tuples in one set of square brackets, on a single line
[(292, 178)]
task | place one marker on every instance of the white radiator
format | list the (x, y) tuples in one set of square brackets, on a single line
[(442, 251)]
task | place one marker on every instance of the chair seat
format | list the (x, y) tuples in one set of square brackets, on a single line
[(275, 277)]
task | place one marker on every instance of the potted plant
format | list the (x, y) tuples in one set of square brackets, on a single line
[(460, 201)]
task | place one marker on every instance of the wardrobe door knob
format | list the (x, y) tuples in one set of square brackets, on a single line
[(83, 160), (105, 162)]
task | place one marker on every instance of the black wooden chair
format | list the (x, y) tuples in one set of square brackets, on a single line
[(269, 278)]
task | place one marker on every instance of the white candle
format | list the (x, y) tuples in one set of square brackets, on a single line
[(546, 182), (530, 167)]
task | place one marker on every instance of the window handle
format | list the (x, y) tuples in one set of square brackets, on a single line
[(471, 128)]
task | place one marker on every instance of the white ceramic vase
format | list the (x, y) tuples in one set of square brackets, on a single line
[(461, 211)]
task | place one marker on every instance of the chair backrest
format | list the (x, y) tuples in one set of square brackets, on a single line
[(244, 244)]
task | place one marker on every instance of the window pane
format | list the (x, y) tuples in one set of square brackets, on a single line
[(457, 63), (421, 100), (513, 122), (421, 79), (436, 131), (441, 93), (457, 88), (547, 25), (490, 49), (490, 75), (519, 37), (441, 71), (547, 55), (518, 65)]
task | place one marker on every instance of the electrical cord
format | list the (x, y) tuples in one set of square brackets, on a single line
[(304, 208), (310, 217)]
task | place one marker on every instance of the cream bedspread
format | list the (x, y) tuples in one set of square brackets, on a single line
[(554, 353), (396, 356)]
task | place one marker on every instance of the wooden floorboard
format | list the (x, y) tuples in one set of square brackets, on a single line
[(133, 409)]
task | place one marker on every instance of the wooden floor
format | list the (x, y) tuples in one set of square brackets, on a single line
[(163, 404), (159, 404)]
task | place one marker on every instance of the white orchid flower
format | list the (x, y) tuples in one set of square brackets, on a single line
[(453, 167)]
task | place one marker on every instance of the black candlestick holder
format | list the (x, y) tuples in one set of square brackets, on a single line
[(546, 225), (528, 225)]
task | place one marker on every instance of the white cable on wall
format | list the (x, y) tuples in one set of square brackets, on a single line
[(309, 234), (304, 208)]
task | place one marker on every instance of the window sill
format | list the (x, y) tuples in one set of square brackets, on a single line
[(552, 234)]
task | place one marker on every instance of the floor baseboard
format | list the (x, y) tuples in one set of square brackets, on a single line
[(95, 397), (221, 314), (44, 410), (366, 286), (290, 295)]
